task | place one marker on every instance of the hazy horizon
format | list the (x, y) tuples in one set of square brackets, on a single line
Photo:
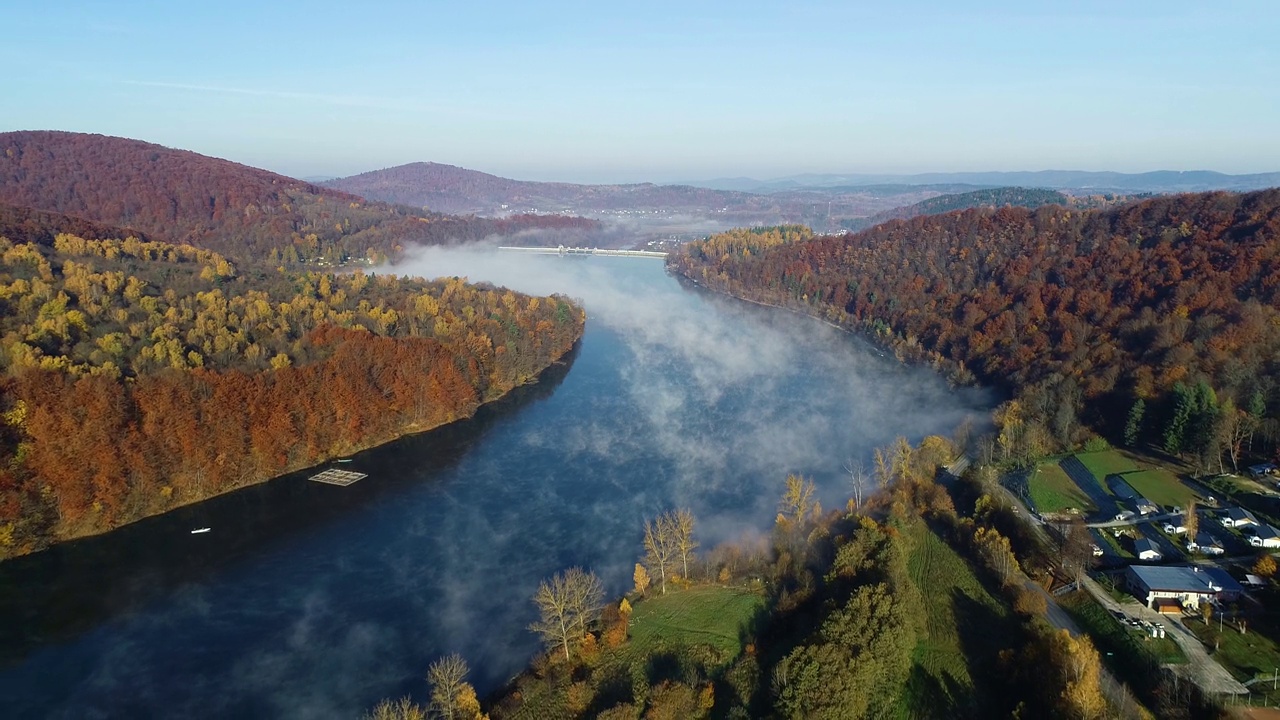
[(590, 93)]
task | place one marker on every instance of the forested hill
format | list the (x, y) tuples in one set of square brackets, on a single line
[(138, 376), (447, 188), (241, 212), (1060, 305), (986, 198)]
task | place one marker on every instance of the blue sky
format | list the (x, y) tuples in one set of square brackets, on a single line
[(660, 91)]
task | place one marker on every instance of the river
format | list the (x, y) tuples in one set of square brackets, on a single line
[(310, 600)]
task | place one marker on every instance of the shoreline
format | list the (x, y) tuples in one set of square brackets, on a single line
[(330, 457)]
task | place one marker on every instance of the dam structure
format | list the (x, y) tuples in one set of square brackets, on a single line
[(562, 250)]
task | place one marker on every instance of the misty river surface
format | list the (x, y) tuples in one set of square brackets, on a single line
[(310, 600)]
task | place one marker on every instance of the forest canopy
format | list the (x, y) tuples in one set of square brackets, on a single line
[(1066, 308), (136, 375)]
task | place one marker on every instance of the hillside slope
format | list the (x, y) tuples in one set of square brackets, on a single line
[(986, 198), (1059, 305), (243, 212)]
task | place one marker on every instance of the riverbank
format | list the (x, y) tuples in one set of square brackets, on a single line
[(414, 394), (905, 350)]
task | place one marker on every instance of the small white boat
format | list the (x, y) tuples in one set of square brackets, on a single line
[(197, 531), (343, 460)]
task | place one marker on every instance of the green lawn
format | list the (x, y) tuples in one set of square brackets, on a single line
[(1053, 491), (706, 624), (1161, 487), (1253, 654), (1115, 544), (702, 615), (1127, 645), (965, 624), (1106, 462)]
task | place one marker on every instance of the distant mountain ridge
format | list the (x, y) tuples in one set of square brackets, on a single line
[(243, 212), (669, 208), (456, 190), (1159, 181), (989, 198)]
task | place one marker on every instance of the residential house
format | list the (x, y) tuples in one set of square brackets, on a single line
[(1205, 543), (1124, 515), (1145, 549), (1238, 517), (1263, 469), (1265, 536), (1176, 525), (1190, 585)]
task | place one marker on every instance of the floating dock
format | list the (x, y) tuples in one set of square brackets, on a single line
[(338, 477)]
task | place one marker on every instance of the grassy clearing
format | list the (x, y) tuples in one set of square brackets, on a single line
[(706, 625), (964, 627), (1106, 462), (1052, 490), (1128, 646), (702, 615), (1116, 546), (1161, 487), (1246, 656)]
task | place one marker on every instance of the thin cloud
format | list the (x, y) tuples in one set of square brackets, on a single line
[(344, 100)]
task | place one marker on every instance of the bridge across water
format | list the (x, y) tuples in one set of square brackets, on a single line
[(562, 250)]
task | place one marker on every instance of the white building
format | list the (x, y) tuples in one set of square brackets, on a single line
[(1189, 585), (1145, 549)]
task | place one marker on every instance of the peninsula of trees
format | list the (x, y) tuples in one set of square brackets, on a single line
[(1080, 315), (139, 375)]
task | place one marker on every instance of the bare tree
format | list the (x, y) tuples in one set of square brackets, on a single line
[(858, 477), (660, 549), (587, 597), (1191, 522), (402, 709), (566, 603), (682, 525), (1077, 549), (446, 677)]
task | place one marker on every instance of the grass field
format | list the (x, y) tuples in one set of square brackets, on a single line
[(1247, 656), (1106, 462), (1161, 487), (965, 625), (1127, 644), (702, 615), (1053, 491), (706, 623)]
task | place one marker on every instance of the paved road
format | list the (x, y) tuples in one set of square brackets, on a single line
[(1200, 669), (1116, 692)]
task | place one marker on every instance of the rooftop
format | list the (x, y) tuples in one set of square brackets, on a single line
[(1237, 514), (1186, 578)]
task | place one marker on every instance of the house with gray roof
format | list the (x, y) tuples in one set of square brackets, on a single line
[(1238, 517), (1189, 585), (1145, 549)]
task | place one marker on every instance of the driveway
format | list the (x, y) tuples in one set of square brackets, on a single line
[(1200, 669)]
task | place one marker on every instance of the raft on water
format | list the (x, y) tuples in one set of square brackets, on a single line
[(338, 477)]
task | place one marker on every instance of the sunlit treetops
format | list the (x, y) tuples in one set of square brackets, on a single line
[(129, 307)]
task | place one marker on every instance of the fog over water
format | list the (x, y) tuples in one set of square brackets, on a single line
[(315, 601)]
